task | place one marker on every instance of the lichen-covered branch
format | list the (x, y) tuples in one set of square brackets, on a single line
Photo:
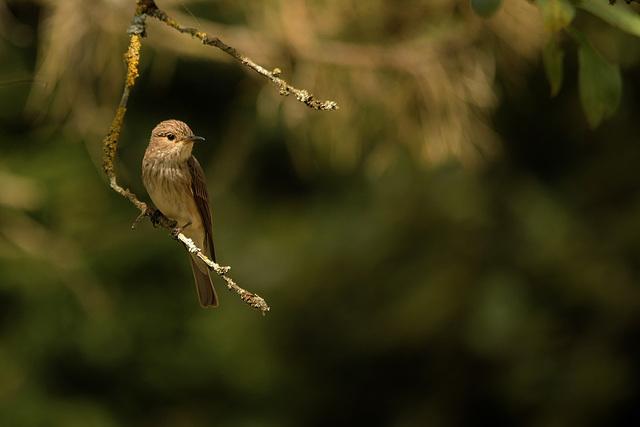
[(136, 31), (285, 88), (110, 144), (253, 300)]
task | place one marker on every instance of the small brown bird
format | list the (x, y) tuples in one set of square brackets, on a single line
[(177, 186)]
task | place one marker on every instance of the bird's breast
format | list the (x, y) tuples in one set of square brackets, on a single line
[(169, 186)]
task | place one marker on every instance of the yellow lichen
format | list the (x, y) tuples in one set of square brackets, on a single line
[(172, 23), (132, 57), (111, 141)]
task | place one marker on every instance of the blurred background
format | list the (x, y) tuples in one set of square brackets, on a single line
[(451, 247)]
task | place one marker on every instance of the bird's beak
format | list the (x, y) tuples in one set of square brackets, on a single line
[(193, 138)]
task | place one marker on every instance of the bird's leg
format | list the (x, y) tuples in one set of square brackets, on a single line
[(156, 217), (178, 230)]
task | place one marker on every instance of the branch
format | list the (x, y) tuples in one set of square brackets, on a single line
[(285, 88), (132, 58), (136, 31), (253, 300)]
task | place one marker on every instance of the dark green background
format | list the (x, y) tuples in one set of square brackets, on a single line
[(420, 296)]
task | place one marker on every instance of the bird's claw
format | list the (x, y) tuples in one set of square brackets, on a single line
[(178, 230), (154, 217)]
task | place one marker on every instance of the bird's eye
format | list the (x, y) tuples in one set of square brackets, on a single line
[(171, 137)]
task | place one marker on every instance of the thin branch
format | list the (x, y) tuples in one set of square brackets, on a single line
[(285, 88), (253, 300), (132, 58), (136, 31)]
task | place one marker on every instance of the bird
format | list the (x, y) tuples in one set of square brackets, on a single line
[(177, 187)]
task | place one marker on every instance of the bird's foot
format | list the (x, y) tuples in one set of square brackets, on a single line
[(178, 230), (155, 216)]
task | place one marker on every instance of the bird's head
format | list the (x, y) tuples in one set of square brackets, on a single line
[(175, 136)]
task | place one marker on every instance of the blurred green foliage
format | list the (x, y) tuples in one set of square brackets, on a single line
[(407, 288)]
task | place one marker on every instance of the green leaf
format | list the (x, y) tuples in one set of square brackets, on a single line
[(553, 57), (557, 14), (620, 15), (599, 83)]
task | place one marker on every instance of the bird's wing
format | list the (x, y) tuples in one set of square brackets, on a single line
[(201, 196)]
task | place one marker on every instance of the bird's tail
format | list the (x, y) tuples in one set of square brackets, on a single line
[(206, 291)]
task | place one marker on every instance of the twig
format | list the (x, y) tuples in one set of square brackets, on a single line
[(285, 88), (253, 300), (132, 58), (136, 31)]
